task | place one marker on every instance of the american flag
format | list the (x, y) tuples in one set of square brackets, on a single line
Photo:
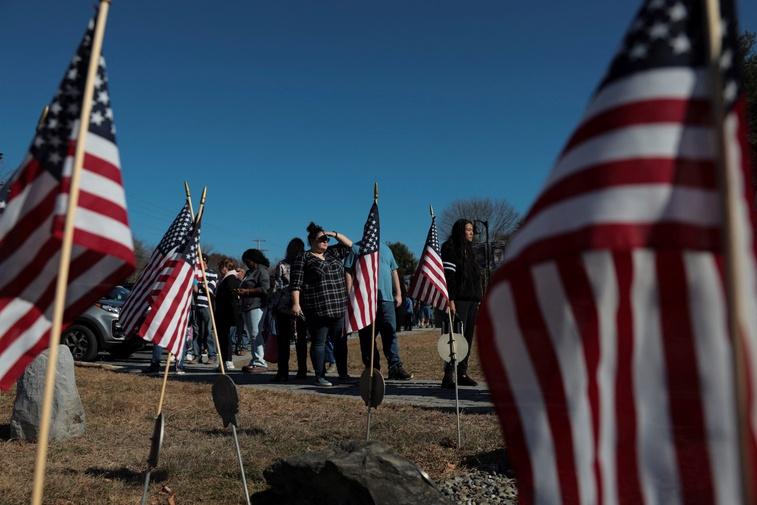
[(153, 277), (429, 284), (604, 336), (361, 309), (166, 321), (31, 225)]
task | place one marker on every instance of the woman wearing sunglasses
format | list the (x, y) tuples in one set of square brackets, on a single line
[(319, 293)]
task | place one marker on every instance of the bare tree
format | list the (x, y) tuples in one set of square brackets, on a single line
[(502, 217), (142, 253)]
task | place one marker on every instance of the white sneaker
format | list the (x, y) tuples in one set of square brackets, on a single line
[(229, 365), (203, 358)]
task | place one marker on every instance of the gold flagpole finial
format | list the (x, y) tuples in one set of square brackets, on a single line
[(186, 189), (201, 208), (42, 116)]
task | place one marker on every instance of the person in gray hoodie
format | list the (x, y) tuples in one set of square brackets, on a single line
[(253, 294)]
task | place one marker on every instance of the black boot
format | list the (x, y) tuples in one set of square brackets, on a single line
[(464, 380), (448, 382)]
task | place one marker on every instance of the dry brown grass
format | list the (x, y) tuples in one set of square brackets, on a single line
[(198, 460)]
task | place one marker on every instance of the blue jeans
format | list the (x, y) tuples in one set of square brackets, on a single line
[(157, 355), (386, 325), (252, 320), (321, 329), (329, 350)]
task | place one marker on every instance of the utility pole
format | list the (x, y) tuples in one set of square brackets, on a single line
[(258, 240)]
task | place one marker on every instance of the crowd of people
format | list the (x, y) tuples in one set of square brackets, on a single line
[(259, 308)]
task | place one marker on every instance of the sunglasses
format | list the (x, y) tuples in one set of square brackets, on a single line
[(322, 238)]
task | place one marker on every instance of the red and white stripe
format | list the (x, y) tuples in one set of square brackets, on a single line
[(148, 285), (31, 230), (361, 310), (604, 337), (165, 323), (429, 284)]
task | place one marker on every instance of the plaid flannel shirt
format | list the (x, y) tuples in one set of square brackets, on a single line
[(321, 282)]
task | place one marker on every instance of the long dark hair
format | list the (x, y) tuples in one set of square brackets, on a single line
[(256, 256), (457, 238), (295, 247)]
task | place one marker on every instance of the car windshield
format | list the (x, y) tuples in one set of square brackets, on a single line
[(119, 294)]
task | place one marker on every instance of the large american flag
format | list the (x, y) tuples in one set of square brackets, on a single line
[(166, 321), (429, 285), (361, 308), (153, 277), (31, 225), (604, 336)]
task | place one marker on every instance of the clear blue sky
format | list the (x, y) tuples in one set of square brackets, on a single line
[(289, 110)]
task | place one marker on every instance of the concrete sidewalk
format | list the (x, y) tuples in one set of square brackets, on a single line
[(416, 392)]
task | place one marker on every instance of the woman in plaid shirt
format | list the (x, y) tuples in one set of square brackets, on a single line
[(319, 293)]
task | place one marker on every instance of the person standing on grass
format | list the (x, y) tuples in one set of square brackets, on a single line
[(253, 295), (464, 288), (227, 308), (203, 337), (318, 292), (389, 299), (286, 324)]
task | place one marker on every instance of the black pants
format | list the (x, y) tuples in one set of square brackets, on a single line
[(466, 312), (285, 325), (223, 339)]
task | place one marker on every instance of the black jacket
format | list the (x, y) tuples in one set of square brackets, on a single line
[(462, 273), (227, 304)]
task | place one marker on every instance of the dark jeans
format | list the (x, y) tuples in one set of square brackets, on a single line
[(466, 313), (386, 325), (320, 329), (285, 327), (202, 332)]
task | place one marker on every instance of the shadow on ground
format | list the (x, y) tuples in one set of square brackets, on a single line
[(252, 432), (126, 475), (490, 461), (5, 432)]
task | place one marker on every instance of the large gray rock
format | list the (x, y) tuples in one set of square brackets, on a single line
[(364, 473), (67, 413)]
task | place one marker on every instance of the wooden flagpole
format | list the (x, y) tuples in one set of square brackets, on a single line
[(65, 256), (221, 364), (219, 355), (158, 417), (373, 346), (732, 236), (453, 360), (170, 355)]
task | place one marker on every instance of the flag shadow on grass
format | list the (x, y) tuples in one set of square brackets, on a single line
[(252, 432), (127, 475)]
